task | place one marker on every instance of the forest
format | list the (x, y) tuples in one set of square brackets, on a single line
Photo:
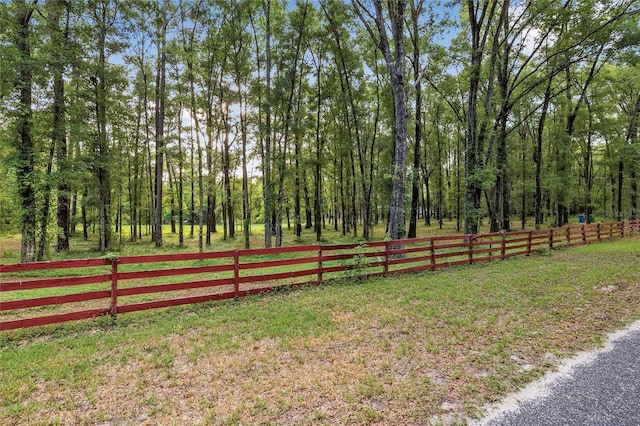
[(209, 116)]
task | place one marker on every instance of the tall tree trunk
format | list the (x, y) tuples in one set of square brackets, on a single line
[(46, 205), (334, 211), (587, 166), (416, 11), (150, 217), (180, 180), (632, 142), (160, 113), (395, 61), (297, 220), (201, 202), (426, 174), (537, 154), (198, 149), (458, 181), (307, 202), (479, 20), (343, 209), (192, 204), (354, 206), (633, 215), (298, 141), (211, 150), (611, 180), (246, 208), (228, 219), (24, 141), (173, 184), (440, 197), (83, 208), (74, 212), (280, 197), (211, 178), (396, 69), (134, 177), (59, 135), (131, 191), (102, 168), (619, 212), (501, 206), (266, 160), (523, 199), (318, 169)]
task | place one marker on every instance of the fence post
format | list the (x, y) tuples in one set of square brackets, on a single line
[(568, 235), (433, 254), (550, 238), (598, 229), (584, 235), (621, 226), (385, 270), (503, 245), (114, 288), (529, 238), (319, 264), (236, 273), (471, 238)]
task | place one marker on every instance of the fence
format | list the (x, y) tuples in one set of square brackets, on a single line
[(79, 289)]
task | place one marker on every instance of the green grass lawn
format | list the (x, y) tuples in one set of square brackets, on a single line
[(414, 349), (80, 248)]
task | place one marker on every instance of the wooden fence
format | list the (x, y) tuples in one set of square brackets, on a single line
[(79, 289)]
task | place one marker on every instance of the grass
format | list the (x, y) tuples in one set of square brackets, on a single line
[(416, 349), (356, 267), (80, 248)]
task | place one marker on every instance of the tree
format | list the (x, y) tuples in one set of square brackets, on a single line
[(267, 189), (23, 142), (59, 133), (376, 26), (105, 15), (355, 89), (481, 15), (160, 115), (286, 99), (237, 37), (318, 56), (416, 12)]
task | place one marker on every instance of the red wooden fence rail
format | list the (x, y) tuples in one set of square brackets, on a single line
[(136, 283)]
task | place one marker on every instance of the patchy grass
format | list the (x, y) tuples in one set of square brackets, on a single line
[(416, 349)]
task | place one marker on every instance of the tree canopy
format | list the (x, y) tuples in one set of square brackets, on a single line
[(209, 116)]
